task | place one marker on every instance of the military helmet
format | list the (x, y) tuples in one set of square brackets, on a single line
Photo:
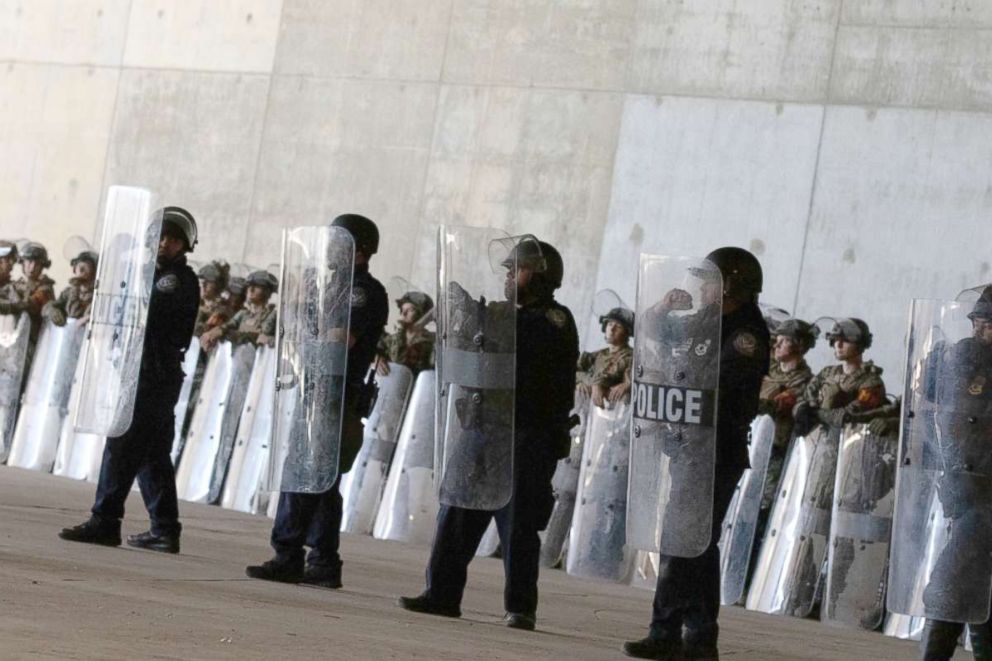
[(802, 333), (622, 316), (237, 285), (217, 272), (36, 252), (180, 223), (742, 276), (418, 299), (983, 306), (263, 278), (362, 230), (850, 330), (8, 249), (85, 256)]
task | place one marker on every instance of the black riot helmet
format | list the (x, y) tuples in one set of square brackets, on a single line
[(983, 306), (554, 266), (362, 230), (419, 300), (850, 330), (741, 271), (179, 223), (622, 316), (802, 333)]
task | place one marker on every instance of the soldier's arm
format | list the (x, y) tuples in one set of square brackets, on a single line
[(234, 332)]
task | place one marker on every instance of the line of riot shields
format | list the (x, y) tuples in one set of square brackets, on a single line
[(857, 509)]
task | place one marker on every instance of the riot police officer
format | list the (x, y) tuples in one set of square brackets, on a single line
[(687, 595), (314, 519), (546, 353), (964, 487), (143, 450)]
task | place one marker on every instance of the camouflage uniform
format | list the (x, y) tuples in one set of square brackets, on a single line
[(780, 391), (606, 367), (36, 293), (10, 299), (417, 355), (857, 393), (75, 300), (250, 322), (208, 308)]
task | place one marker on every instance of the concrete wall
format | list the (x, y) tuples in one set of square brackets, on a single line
[(848, 144)]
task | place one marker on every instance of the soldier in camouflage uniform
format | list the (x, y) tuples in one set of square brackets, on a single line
[(256, 322), (10, 299), (213, 310), (34, 287), (604, 375), (780, 392), (236, 294), (75, 300), (411, 344)]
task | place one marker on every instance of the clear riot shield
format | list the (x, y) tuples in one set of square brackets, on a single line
[(565, 485), (476, 367), (312, 345), (116, 332), (675, 376), (787, 577), (361, 487), (244, 362), (14, 335), (741, 520), (190, 360), (409, 503), (597, 544), (46, 396), (941, 557), (858, 550)]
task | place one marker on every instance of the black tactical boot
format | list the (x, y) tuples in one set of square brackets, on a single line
[(653, 648), (981, 641), (525, 621), (700, 651), (424, 604), (94, 531), (276, 570), (324, 577), (152, 542), (939, 641)]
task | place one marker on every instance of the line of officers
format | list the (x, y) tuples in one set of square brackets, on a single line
[(761, 372)]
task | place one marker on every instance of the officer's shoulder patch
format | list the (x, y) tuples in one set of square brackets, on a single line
[(168, 283), (557, 317), (359, 297), (746, 343), (977, 386)]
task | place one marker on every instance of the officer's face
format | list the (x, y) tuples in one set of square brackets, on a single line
[(785, 348), (6, 266), (516, 281), (83, 270), (32, 268), (209, 289), (844, 350), (170, 247), (408, 314), (616, 334), (709, 292), (983, 330)]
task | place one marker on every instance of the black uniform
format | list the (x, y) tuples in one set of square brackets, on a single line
[(547, 349), (314, 520), (965, 492), (688, 589), (143, 450)]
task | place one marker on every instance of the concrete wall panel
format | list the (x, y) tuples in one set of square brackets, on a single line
[(77, 32), (528, 161), (947, 68), (214, 35), (900, 211), (336, 146), (192, 138), (572, 43), (777, 50), (364, 38), (52, 165), (916, 13), (692, 175)]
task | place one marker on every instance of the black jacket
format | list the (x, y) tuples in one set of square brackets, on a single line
[(172, 310)]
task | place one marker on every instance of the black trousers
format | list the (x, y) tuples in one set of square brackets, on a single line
[(142, 452), (688, 590), (309, 519), (518, 523)]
